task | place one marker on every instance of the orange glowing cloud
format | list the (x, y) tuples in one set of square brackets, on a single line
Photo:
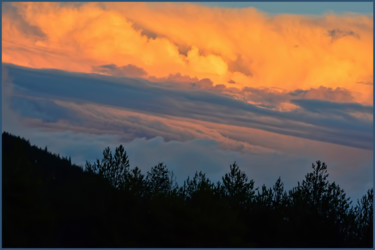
[(236, 48)]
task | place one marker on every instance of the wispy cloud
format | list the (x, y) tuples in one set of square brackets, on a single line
[(314, 119)]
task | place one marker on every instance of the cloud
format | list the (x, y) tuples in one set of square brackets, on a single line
[(127, 70), (241, 65), (245, 46), (19, 24), (184, 82), (118, 104), (320, 106), (337, 34), (324, 93), (281, 100), (45, 110)]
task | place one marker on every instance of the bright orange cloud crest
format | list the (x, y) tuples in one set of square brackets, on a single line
[(234, 47)]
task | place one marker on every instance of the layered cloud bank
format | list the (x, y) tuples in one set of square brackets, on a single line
[(138, 108), (235, 48)]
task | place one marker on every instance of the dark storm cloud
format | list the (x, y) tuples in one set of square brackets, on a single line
[(315, 119)]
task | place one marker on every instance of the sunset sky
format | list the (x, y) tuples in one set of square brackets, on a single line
[(273, 86)]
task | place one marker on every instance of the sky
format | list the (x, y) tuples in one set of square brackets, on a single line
[(196, 85), (309, 8)]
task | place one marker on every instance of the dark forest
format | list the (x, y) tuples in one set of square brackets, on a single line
[(50, 202)]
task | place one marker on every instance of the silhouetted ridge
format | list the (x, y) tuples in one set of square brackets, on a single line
[(49, 202)]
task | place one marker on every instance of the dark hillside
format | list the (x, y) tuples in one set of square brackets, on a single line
[(48, 202)]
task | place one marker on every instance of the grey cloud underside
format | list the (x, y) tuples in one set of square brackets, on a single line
[(127, 70), (315, 119)]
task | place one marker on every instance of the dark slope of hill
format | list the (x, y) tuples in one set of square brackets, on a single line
[(48, 202)]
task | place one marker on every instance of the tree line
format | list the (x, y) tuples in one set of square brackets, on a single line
[(49, 202)]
